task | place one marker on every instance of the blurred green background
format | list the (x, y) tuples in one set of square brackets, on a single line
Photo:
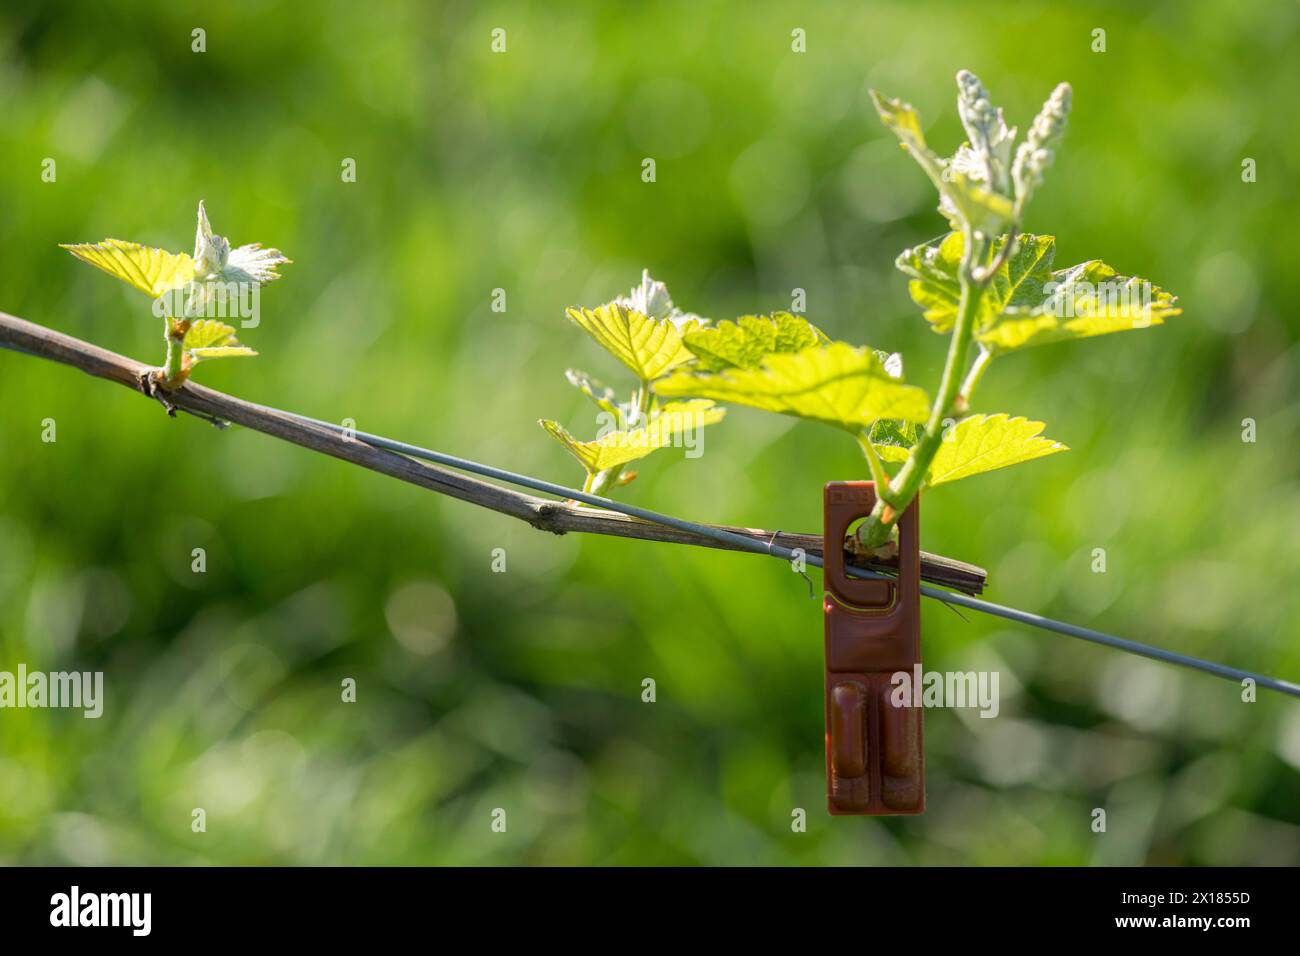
[(521, 690)]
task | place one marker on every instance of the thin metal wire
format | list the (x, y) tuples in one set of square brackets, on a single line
[(755, 546), (1110, 640)]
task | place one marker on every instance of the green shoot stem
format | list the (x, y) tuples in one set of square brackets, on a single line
[(878, 473), (643, 399), (597, 482), (174, 331), (893, 501), (172, 369)]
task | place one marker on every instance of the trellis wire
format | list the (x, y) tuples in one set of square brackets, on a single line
[(742, 543)]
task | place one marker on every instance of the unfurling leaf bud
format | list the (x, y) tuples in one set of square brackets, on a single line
[(211, 252)]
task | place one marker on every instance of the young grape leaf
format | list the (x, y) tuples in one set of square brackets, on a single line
[(834, 383), (649, 347), (893, 454), (1078, 303), (986, 442), (747, 341), (1026, 303), (207, 333), (152, 271), (934, 268), (600, 394), (893, 440), (221, 351), (1019, 281), (661, 430), (210, 339), (214, 259), (962, 199)]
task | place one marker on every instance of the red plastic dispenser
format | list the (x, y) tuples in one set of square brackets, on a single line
[(875, 762)]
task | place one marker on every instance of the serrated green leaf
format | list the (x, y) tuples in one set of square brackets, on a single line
[(210, 339), (661, 430), (649, 347), (901, 119), (747, 341), (893, 440), (962, 199), (207, 333), (904, 121), (1026, 303), (1077, 303), (835, 383), (935, 267), (987, 442), (893, 454), (601, 395), (1019, 282), (220, 352), (152, 271)]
